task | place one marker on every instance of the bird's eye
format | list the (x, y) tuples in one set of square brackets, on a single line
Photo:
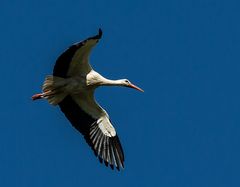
[(127, 81)]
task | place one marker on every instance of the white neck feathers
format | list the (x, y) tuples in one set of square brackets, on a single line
[(94, 78)]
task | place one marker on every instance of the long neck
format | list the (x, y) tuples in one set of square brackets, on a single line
[(94, 78), (109, 82)]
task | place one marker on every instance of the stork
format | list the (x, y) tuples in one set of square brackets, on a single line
[(72, 86)]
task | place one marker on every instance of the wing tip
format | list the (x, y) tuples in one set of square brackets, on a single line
[(100, 33), (118, 167), (98, 36)]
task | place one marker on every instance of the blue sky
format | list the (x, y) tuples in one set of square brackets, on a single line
[(183, 131)]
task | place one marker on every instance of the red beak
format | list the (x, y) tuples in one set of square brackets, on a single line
[(135, 87)]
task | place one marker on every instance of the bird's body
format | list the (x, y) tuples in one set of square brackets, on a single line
[(72, 87)]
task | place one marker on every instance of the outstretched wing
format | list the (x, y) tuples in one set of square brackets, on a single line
[(93, 122), (74, 61), (82, 110)]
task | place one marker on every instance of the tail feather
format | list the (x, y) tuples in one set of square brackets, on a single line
[(52, 82), (53, 89)]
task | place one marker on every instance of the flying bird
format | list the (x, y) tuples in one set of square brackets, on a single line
[(72, 86)]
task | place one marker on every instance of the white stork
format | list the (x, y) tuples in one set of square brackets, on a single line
[(72, 87)]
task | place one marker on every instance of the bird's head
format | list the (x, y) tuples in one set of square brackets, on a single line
[(127, 83)]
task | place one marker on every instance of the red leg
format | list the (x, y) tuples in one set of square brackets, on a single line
[(37, 96)]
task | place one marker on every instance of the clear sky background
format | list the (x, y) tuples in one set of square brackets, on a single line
[(182, 132)]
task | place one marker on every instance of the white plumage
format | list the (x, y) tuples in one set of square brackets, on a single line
[(72, 87)]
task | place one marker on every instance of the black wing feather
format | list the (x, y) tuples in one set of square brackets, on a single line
[(63, 62), (107, 149)]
